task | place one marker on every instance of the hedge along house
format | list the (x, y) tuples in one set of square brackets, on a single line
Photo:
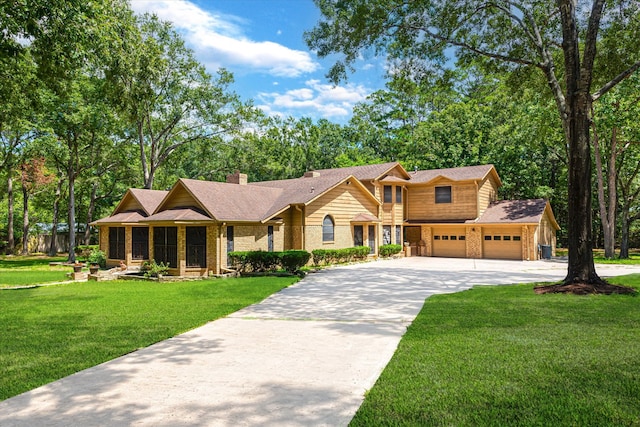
[(197, 223), (445, 212)]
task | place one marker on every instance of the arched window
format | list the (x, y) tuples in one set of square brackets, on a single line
[(327, 229)]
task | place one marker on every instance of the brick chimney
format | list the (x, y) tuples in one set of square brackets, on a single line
[(237, 178), (311, 174)]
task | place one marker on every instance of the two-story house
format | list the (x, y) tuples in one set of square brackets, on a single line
[(446, 212)]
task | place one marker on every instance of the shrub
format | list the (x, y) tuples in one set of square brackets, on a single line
[(238, 260), (388, 250), (337, 256), (261, 261), (97, 257), (319, 256), (153, 269), (292, 261), (85, 250)]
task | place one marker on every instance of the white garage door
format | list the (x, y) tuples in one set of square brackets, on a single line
[(502, 243)]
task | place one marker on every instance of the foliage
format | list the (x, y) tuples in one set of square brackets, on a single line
[(154, 269), (292, 261), (88, 325), (339, 256), (502, 355), (389, 249), (97, 257), (262, 261), (166, 97)]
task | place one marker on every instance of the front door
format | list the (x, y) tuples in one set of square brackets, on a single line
[(358, 233), (372, 239)]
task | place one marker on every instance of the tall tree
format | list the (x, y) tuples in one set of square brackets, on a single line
[(559, 39), (167, 97), (17, 92), (34, 177), (72, 42), (616, 141)]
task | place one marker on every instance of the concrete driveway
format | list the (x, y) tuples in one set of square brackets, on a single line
[(302, 357)]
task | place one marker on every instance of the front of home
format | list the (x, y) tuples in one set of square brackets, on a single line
[(445, 212)]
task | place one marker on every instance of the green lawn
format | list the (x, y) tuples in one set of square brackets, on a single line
[(598, 256), (51, 332), (21, 271), (504, 356)]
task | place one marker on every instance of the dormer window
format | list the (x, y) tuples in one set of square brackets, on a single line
[(443, 194)]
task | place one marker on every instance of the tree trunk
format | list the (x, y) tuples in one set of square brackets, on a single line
[(11, 241), (53, 247), (72, 216), (25, 219), (607, 204), (576, 123), (581, 268), (92, 207), (624, 238)]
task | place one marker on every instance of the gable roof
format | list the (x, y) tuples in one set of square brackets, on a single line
[(178, 214), (304, 190), (143, 201), (518, 212), (464, 173), (364, 172), (147, 200), (129, 217), (232, 202)]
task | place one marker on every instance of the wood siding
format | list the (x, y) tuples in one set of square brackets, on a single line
[(180, 198), (422, 205), (487, 193), (342, 203), (130, 204)]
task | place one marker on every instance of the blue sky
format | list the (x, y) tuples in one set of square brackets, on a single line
[(261, 42)]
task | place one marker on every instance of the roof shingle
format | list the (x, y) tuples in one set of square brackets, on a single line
[(514, 211), (454, 174)]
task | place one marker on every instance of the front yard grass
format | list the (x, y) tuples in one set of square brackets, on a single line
[(502, 355), (21, 271), (51, 332)]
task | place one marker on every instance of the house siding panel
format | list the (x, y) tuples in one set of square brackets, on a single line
[(422, 203), (342, 203), (180, 197), (130, 204), (487, 193)]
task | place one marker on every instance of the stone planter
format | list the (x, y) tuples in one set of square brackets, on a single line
[(93, 268)]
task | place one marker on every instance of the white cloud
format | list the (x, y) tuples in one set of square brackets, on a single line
[(315, 100), (219, 40)]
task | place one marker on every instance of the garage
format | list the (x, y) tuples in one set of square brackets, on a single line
[(449, 242), (502, 243)]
